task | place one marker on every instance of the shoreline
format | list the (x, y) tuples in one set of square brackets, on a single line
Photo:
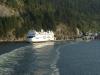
[(33, 42), (24, 41), (12, 41)]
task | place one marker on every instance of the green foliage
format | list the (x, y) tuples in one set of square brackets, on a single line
[(7, 24), (46, 14), (12, 3)]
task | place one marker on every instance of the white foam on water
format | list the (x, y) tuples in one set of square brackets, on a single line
[(54, 66), (10, 60)]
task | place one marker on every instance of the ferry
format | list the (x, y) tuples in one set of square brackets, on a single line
[(42, 36)]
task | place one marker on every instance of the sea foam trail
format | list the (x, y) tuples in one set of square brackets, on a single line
[(17, 62), (36, 59), (54, 65)]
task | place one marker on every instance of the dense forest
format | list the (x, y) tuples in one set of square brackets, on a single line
[(50, 15)]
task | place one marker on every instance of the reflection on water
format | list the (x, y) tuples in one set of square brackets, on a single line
[(42, 44), (46, 59)]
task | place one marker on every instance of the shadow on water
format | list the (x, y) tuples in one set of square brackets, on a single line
[(9, 46)]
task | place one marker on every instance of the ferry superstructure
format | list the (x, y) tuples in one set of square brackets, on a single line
[(35, 36)]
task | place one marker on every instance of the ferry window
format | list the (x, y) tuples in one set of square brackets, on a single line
[(30, 36)]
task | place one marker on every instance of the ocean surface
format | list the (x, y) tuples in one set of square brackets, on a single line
[(50, 58)]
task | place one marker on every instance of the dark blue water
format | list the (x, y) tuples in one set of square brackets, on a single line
[(51, 58), (81, 58)]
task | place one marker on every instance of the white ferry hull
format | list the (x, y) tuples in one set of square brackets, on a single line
[(42, 36), (34, 40)]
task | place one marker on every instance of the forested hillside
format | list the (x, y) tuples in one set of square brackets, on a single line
[(48, 15)]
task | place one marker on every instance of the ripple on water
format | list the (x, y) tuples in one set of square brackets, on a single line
[(17, 61)]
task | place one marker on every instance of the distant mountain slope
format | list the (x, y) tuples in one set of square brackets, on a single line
[(19, 16)]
